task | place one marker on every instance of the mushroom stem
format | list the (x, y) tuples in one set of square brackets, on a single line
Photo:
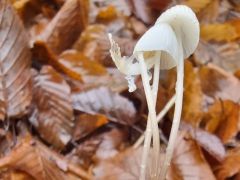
[(176, 116), (163, 112), (150, 124)]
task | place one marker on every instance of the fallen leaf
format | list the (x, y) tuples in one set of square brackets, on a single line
[(108, 13), (107, 10), (15, 96), (52, 115), (230, 166), (99, 147), (111, 143), (188, 161), (209, 142), (228, 31), (143, 11), (193, 96), (113, 79), (44, 55), (65, 27), (86, 123), (223, 119), (225, 55), (124, 165), (219, 84), (15, 175), (27, 9), (103, 101), (206, 10), (80, 64), (35, 159)]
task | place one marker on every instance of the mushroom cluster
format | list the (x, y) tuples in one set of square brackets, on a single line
[(173, 38)]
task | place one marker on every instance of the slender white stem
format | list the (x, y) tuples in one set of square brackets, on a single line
[(153, 121), (176, 117), (164, 111), (156, 77)]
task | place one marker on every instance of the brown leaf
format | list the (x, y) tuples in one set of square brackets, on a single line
[(225, 55), (193, 95), (143, 11), (209, 142), (53, 112), (86, 123), (104, 101), (44, 55), (15, 175), (81, 65), (32, 157), (124, 165), (107, 10), (223, 119), (15, 92), (99, 147), (206, 10), (188, 161), (219, 84), (27, 9), (228, 31), (65, 27), (111, 143), (230, 166)]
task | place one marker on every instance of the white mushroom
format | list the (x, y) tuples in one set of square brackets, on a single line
[(186, 26), (158, 47), (173, 38)]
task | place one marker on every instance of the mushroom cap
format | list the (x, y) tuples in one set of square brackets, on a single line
[(185, 24), (158, 39)]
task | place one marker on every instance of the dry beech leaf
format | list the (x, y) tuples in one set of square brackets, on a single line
[(37, 160), (228, 31), (86, 123), (124, 165), (188, 161), (43, 54), (113, 80), (230, 166), (223, 55), (193, 96), (99, 147), (111, 143), (83, 154), (143, 11), (27, 8), (81, 65), (65, 27), (15, 62), (223, 119), (108, 9), (108, 13), (52, 115), (15, 175), (206, 10), (209, 142), (219, 84), (103, 101), (94, 43), (159, 5)]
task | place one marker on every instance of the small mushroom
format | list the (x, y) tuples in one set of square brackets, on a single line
[(158, 47), (186, 27), (165, 45)]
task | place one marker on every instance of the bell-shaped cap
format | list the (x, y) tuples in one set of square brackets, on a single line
[(158, 43), (185, 24)]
